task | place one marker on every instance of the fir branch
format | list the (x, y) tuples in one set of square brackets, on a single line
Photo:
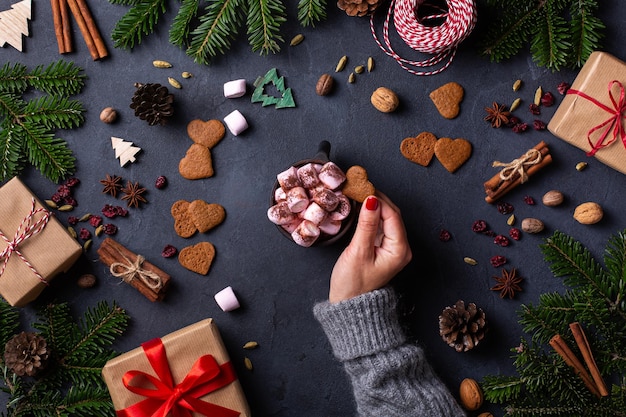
[(45, 151), (13, 78), (8, 324), (311, 11), (55, 112), (264, 20), (11, 156), (549, 46), (59, 78), (179, 31), (140, 20)]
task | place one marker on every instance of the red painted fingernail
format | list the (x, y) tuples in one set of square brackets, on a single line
[(371, 203)]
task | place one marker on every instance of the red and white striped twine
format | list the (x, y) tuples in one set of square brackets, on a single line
[(25, 230), (439, 40)]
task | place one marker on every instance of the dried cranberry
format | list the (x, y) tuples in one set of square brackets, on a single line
[(501, 240), (72, 182), (562, 87), (505, 208), (515, 233), (513, 120), (534, 109), (169, 251), (72, 220), (479, 226), (109, 229), (95, 221), (490, 233), (161, 182), (121, 211), (56, 197), (84, 234), (497, 261), (547, 99), (444, 235), (529, 200), (539, 125), (520, 128), (109, 211), (64, 191), (71, 201)]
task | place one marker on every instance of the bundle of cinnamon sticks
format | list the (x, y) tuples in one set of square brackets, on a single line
[(86, 24), (500, 184), (593, 382)]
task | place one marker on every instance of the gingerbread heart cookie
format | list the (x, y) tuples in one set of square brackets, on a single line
[(207, 133), (419, 149), (197, 258), (197, 163), (452, 153), (447, 99), (183, 223), (206, 216), (357, 186)]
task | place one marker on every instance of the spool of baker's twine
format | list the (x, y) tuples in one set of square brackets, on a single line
[(441, 41)]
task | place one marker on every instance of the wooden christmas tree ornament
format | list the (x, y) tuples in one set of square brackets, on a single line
[(124, 150), (14, 24)]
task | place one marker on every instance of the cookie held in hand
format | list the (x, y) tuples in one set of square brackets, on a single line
[(357, 186), (452, 153), (419, 149), (197, 258), (447, 99)]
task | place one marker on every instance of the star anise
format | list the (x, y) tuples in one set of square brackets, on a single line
[(111, 184), (508, 284), (133, 194), (497, 115)]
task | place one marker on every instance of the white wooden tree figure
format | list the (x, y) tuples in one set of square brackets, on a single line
[(124, 150), (14, 24)]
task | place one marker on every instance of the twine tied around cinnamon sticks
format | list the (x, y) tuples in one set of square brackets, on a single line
[(518, 166), (132, 270)]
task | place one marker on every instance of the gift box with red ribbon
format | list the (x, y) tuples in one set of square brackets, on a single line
[(186, 373), (593, 112), (34, 245)]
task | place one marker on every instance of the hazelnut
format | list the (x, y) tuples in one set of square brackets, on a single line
[(384, 100), (324, 85), (531, 225), (470, 394), (552, 198), (108, 115), (588, 213), (86, 281)]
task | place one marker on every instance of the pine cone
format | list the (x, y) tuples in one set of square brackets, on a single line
[(358, 7), (462, 327), (153, 103), (26, 353)]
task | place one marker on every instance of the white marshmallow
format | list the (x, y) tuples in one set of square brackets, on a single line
[(280, 195), (343, 208), (227, 300), (280, 214), (308, 176), (306, 233), (331, 175), (326, 199), (289, 178), (297, 199), (235, 88), (236, 122), (330, 226), (314, 213), (290, 227)]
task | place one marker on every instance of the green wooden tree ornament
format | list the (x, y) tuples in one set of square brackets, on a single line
[(260, 96)]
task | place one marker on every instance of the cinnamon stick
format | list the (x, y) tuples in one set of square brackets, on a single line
[(111, 252), (58, 24), (88, 29), (559, 345), (93, 29), (66, 29), (585, 349)]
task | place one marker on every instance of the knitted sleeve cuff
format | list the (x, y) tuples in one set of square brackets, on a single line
[(361, 326)]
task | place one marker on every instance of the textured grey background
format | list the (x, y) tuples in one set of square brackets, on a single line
[(277, 282)]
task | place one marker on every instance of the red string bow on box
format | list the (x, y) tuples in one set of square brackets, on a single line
[(613, 123), (180, 399)]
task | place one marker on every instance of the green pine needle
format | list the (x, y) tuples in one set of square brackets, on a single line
[(140, 20), (179, 31), (264, 20), (311, 12)]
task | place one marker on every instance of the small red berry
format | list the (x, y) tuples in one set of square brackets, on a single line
[(95, 221), (520, 128), (497, 261), (72, 182), (539, 125), (169, 251), (505, 208), (444, 235), (515, 233), (534, 109), (72, 220), (109, 229), (479, 226), (547, 99), (161, 182), (529, 200), (501, 240), (84, 234), (562, 87)]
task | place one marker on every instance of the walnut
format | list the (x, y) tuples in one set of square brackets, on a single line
[(588, 213), (384, 100)]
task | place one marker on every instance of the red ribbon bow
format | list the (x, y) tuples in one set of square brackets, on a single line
[(182, 399), (614, 122), (25, 230)]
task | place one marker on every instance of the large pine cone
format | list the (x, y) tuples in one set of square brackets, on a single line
[(153, 103), (358, 7), (26, 353), (462, 327)]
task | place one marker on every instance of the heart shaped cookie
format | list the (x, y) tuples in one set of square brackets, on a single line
[(197, 258), (206, 216), (419, 149), (452, 153), (197, 163), (357, 186), (207, 133), (183, 223), (447, 99)]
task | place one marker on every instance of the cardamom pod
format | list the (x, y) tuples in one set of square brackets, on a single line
[(87, 244), (351, 78), (99, 230), (85, 217), (66, 207), (161, 64), (470, 261), (72, 232), (248, 363), (186, 74), (341, 64), (580, 166), (297, 39), (370, 64), (174, 83), (51, 204), (251, 345), (359, 69), (538, 94), (511, 220), (515, 104), (517, 84)]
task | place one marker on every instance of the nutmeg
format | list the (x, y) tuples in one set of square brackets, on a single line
[(108, 115), (552, 198), (530, 225), (384, 100), (324, 85), (470, 394), (588, 213)]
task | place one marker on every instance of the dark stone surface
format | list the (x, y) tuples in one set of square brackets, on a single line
[(278, 282)]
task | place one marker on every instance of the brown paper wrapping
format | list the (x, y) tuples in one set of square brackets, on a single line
[(183, 348), (50, 252), (577, 115)]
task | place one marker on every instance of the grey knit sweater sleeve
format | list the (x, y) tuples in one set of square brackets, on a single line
[(390, 377)]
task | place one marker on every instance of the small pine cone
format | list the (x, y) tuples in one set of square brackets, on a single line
[(153, 103), (358, 7), (462, 327), (26, 353)]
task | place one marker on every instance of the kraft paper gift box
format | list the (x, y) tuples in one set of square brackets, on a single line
[(193, 350), (591, 114), (33, 251)]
